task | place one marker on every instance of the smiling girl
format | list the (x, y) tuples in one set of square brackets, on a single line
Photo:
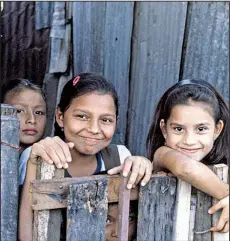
[(86, 119), (188, 132)]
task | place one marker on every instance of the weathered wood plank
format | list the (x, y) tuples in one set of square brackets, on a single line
[(123, 207), (155, 64), (206, 46), (181, 231), (52, 194), (221, 170), (46, 225), (202, 218), (9, 172), (87, 211), (156, 209)]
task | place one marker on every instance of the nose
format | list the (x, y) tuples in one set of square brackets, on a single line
[(114, 231), (30, 118), (94, 127), (190, 138)]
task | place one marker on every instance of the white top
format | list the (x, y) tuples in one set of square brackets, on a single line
[(122, 150)]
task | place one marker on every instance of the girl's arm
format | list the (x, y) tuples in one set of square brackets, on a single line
[(25, 211), (189, 170)]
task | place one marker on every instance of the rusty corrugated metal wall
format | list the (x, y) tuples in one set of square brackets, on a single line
[(24, 49)]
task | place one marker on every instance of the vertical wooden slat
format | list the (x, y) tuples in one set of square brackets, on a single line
[(9, 172), (181, 231), (47, 223), (202, 218), (87, 211), (221, 170), (123, 205), (117, 48), (156, 209), (155, 66), (206, 48)]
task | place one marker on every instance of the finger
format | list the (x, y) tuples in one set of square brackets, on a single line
[(133, 176), (52, 152), (147, 176), (127, 166), (215, 207), (37, 151), (63, 152), (70, 144), (142, 169), (226, 228), (115, 170), (220, 224)]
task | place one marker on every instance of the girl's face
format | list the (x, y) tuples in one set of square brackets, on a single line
[(31, 109), (112, 223), (89, 122), (191, 129)]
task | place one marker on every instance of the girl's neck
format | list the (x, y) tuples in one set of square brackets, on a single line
[(82, 165)]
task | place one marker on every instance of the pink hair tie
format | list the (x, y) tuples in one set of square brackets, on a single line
[(76, 79)]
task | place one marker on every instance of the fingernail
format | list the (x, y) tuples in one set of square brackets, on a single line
[(143, 184), (66, 165), (210, 211), (129, 186), (125, 174), (59, 166), (69, 159)]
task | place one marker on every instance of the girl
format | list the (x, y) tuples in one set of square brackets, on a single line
[(188, 132), (29, 100), (86, 119)]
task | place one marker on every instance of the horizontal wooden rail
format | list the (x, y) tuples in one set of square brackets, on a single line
[(52, 194)]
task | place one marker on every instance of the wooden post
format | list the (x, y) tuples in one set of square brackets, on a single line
[(123, 205), (9, 172), (47, 223), (87, 211), (181, 228), (156, 209), (221, 170)]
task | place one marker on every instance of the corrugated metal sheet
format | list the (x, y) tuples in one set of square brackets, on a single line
[(102, 42), (43, 14), (156, 55), (207, 44), (25, 50)]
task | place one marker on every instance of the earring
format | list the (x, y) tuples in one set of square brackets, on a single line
[(62, 128), (165, 143)]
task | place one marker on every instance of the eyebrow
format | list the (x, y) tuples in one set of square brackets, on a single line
[(199, 124), (87, 112), (24, 105)]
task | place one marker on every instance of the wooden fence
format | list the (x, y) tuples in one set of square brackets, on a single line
[(166, 210)]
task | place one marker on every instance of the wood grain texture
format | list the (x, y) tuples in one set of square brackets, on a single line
[(156, 209), (221, 170), (202, 218), (52, 194), (87, 211), (182, 210)]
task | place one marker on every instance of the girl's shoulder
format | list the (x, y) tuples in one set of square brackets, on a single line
[(114, 155)]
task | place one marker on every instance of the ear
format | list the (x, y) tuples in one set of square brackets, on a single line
[(218, 129), (163, 128), (59, 117)]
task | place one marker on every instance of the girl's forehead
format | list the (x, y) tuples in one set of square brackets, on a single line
[(94, 98), (26, 96), (193, 111)]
